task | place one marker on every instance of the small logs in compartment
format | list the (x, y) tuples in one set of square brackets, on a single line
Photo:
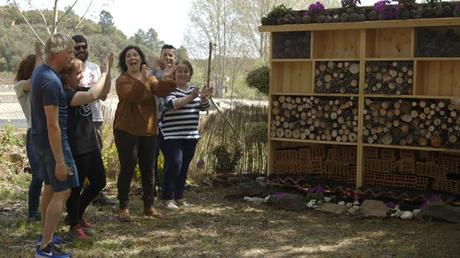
[(393, 78), (315, 118), (337, 77), (291, 45), (423, 123)]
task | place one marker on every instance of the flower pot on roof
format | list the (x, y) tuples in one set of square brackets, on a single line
[(351, 12), (385, 10), (407, 9), (317, 12)]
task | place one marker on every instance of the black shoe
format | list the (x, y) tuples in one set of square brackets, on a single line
[(51, 251), (101, 199)]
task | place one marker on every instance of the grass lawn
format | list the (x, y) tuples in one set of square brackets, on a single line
[(221, 227)]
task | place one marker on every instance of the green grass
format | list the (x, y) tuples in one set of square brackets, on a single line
[(218, 227)]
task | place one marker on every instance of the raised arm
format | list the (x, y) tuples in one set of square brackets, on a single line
[(100, 88)]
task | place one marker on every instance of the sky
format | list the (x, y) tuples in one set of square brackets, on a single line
[(131, 15)]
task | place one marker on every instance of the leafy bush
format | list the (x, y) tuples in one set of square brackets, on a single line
[(226, 160), (9, 137), (259, 79)]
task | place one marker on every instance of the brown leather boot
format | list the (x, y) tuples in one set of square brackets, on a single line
[(124, 215), (151, 212)]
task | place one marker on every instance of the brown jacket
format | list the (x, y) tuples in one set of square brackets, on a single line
[(136, 111)]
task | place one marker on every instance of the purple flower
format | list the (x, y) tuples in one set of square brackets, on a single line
[(385, 8), (317, 189), (391, 205), (316, 8), (457, 8)]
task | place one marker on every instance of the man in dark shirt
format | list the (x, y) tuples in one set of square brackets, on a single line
[(49, 135)]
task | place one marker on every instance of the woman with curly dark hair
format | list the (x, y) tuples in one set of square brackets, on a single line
[(22, 88), (135, 126)]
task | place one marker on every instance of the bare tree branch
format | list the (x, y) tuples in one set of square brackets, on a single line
[(43, 17), (81, 19), (66, 12), (27, 22), (55, 17)]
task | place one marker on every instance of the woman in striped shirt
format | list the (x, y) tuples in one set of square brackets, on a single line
[(179, 133)]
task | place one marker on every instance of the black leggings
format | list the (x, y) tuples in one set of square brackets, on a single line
[(89, 166), (131, 150)]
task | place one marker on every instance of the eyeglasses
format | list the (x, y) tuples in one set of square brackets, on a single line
[(82, 47)]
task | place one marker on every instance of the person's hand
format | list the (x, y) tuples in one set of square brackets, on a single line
[(158, 64), (62, 172), (168, 73), (195, 93), (107, 65), (38, 48), (206, 92), (145, 72)]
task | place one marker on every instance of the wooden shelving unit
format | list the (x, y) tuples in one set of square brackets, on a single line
[(435, 78)]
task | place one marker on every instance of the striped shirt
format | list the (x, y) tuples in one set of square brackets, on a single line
[(181, 123)]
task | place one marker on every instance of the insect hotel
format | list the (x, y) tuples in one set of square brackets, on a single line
[(366, 103)]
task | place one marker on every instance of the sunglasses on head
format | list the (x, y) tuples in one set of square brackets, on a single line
[(83, 47)]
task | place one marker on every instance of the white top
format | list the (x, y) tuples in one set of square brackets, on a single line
[(91, 73), (24, 101)]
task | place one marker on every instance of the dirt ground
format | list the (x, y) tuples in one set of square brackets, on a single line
[(221, 227)]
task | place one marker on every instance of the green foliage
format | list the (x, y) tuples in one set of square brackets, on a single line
[(259, 79), (279, 11), (257, 133), (225, 159), (9, 136)]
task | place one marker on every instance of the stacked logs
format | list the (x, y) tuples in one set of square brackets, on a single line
[(315, 118), (291, 45), (394, 78), (337, 77), (423, 123)]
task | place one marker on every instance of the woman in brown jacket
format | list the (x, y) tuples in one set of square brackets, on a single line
[(135, 126)]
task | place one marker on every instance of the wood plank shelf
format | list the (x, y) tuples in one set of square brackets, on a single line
[(436, 58), (351, 59), (433, 22), (407, 96), (388, 59), (313, 141), (401, 147), (291, 60), (315, 94)]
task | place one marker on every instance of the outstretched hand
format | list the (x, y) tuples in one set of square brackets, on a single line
[(107, 65), (168, 73)]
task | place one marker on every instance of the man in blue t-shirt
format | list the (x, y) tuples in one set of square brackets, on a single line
[(49, 135)]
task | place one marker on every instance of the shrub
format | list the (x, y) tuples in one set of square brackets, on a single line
[(259, 79)]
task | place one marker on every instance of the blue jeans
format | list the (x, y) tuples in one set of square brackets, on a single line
[(48, 165), (36, 183), (178, 154)]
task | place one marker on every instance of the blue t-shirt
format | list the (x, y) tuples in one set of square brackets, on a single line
[(46, 90)]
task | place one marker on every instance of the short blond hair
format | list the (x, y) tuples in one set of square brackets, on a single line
[(56, 44)]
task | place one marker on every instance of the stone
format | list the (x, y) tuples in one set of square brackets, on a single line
[(341, 203), (311, 204), (349, 204), (14, 158), (356, 203), (286, 201), (442, 211), (255, 200), (353, 210), (407, 215), (260, 179), (376, 209), (332, 208), (416, 212), (327, 199)]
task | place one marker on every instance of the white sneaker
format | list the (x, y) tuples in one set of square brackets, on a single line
[(183, 203), (170, 205)]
